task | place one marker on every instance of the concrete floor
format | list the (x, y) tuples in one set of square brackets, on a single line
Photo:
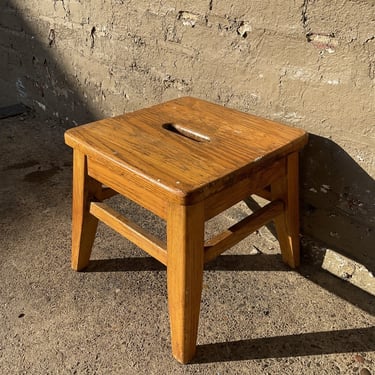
[(257, 316)]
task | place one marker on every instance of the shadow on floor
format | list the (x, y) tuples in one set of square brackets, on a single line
[(222, 263), (259, 262), (316, 343), (337, 201), (304, 344)]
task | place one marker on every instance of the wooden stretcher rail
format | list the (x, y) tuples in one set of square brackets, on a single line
[(236, 233), (133, 232)]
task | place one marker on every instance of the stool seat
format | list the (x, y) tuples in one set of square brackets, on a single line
[(186, 160), (186, 148)]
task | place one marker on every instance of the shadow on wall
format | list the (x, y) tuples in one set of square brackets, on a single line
[(31, 71), (338, 206), (337, 202)]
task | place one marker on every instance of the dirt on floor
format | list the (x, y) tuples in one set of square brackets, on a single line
[(257, 315)]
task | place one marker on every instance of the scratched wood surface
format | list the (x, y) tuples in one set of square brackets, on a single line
[(186, 145)]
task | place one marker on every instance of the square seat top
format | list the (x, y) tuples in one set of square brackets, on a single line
[(186, 145)]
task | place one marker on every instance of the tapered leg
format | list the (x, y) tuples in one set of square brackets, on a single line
[(287, 224), (84, 225), (185, 241)]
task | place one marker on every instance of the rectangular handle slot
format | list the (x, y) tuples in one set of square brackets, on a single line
[(185, 132)]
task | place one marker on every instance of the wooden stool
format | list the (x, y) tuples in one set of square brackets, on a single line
[(185, 160)]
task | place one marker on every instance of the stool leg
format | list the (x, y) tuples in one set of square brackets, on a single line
[(185, 241), (287, 224), (84, 225)]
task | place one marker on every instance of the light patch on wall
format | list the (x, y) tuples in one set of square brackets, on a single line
[(21, 90), (244, 29), (325, 188), (300, 74), (40, 105), (291, 117), (333, 81), (351, 271), (325, 42), (188, 18)]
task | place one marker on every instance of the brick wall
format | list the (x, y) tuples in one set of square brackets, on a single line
[(306, 63)]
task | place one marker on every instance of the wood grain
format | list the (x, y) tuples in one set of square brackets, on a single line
[(287, 224), (185, 236), (185, 169), (133, 232), (84, 225)]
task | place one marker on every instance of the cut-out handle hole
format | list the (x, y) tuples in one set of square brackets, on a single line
[(185, 132)]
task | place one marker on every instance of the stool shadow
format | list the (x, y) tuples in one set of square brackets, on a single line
[(305, 344), (354, 340), (258, 262), (242, 263), (135, 264)]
